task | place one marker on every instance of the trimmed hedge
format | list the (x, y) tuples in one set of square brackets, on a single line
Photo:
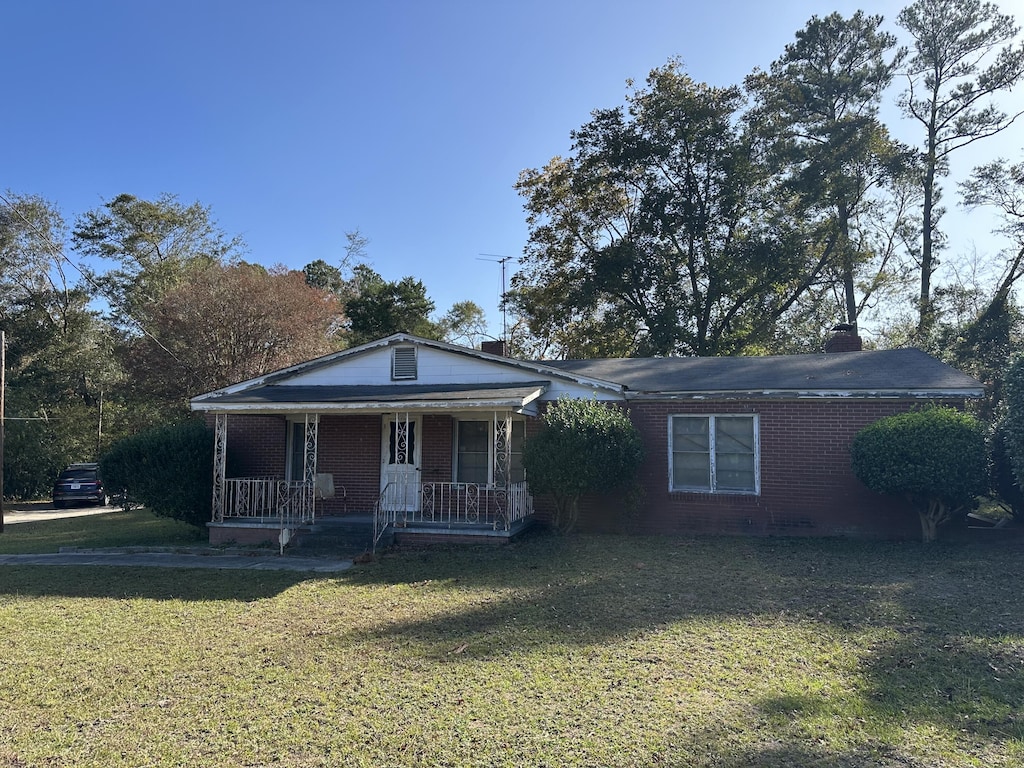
[(585, 446), (936, 458), (168, 469)]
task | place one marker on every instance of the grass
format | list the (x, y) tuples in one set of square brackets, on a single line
[(135, 528), (582, 651)]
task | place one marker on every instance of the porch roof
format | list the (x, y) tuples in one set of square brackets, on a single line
[(277, 398)]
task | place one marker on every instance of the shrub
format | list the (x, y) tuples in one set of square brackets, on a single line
[(585, 446), (936, 458), (1010, 431), (169, 469)]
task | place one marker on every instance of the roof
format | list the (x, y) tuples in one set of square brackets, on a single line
[(462, 379), (388, 397), (875, 372)]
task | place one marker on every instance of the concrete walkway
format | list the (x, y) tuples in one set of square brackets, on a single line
[(264, 560), (226, 561)]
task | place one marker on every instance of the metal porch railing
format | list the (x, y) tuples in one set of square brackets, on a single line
[(448, 505)]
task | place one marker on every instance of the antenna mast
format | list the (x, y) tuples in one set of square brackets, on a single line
[(503, 260)]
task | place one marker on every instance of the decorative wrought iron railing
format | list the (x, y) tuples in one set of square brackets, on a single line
[(268, 500), (451, 504)]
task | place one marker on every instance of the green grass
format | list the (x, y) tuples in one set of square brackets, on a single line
[(583, 651), (138, 527)]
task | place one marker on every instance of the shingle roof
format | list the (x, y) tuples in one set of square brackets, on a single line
[(891, 370), (272, 394)]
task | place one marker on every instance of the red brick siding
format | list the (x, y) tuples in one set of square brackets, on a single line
[(436, 458), (807, 485), (349, 448), (257, 446)]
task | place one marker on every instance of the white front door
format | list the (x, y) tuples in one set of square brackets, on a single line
[(400, 462)]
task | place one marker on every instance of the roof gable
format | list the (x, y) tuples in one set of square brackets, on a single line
[(437, 365)]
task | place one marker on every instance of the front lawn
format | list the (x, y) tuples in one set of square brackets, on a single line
[(583, 651), (135, 528)]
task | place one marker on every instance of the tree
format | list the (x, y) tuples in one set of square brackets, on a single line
[(585, 446), (381, 307), (666, 226), (1010, 429), (822, 99), (464, 323), (59, 363), (935, 458), (155, 244), (962, 55), (228, 323)]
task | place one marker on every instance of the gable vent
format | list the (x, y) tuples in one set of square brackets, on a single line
[(403, 363)]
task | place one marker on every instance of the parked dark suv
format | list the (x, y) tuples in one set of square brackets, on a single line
[(79, 483)]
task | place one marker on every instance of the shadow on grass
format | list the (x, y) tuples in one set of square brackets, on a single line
[(945, 622), (146, 583)]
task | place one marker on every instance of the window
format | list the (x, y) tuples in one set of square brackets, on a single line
[(716, 454), (403, 363), (475, 457)]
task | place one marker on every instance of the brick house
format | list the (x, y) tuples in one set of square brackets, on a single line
[(426, 438)]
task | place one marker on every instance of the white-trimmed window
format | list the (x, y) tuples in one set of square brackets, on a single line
[(475, 457), (714, 454)]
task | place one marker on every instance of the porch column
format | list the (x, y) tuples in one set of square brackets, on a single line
[(309, 465), (502, 449), (220, 452), (309, 454)]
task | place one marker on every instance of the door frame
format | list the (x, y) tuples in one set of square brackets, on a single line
[(404, 477)]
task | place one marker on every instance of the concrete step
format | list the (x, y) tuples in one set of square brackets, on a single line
[(351, 534)]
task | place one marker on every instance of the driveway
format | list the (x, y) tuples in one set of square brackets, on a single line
[(32, 513)]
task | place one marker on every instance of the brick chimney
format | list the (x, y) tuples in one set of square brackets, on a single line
[(844, 339), (497, 347)]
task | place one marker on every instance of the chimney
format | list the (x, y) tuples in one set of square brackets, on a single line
[(844, 339), (494, 347)]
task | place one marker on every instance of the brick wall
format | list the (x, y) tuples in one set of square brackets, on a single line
[(256, 446), (349, 448), (807, 485)]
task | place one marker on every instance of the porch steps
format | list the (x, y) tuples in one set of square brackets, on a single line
[(342, 535)]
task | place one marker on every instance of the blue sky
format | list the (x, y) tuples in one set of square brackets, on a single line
[(296, 122)]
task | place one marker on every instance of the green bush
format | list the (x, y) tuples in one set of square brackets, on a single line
[(936, 458), (1011, 431), (168, 469), (584, 447)]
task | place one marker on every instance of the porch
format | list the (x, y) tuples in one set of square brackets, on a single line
[(382, 468), (270, 509)]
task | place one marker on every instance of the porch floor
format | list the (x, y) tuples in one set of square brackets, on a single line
[(354, 532)]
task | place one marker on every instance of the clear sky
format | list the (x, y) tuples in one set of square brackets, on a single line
[(409, 120)]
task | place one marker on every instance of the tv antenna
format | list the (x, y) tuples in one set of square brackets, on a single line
[(503, 260)]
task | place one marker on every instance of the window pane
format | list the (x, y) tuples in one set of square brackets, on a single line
[(690, 433), (404, 453), (473, 452), (734, 435), (691, 470), (734, 472)]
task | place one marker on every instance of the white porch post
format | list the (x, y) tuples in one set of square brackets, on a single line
[(309, 463), (502, 449), (220, 451)]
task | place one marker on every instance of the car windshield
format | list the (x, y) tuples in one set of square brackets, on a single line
[(78, 474)]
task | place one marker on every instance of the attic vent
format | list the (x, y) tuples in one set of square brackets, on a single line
[(403, 363)]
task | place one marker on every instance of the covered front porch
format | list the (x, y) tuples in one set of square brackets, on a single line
[(428, 473)]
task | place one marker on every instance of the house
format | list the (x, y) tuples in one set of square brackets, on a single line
[(427, 437)]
